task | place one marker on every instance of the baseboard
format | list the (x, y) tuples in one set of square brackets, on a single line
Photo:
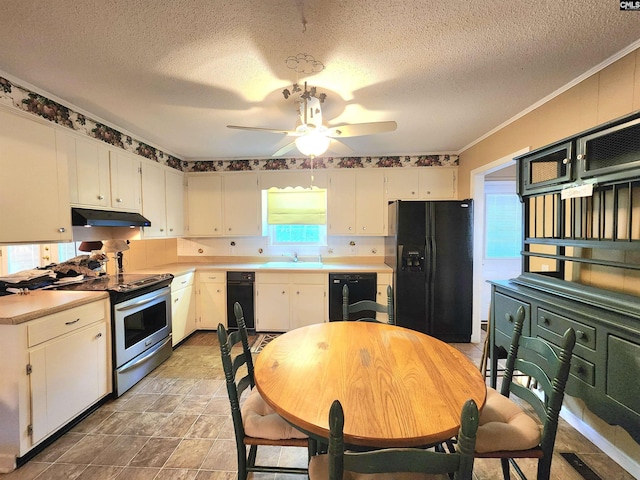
[(7, 463), (600, 441)]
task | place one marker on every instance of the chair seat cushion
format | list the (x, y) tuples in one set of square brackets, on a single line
[(261, 421), (319, 470), (505, 426)]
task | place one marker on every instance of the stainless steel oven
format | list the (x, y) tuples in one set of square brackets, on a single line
[(140, 323), (141, 336)]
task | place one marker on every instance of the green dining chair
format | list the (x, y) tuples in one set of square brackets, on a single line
[(402, 463), (254, 423), (506, 431), (368, 306)]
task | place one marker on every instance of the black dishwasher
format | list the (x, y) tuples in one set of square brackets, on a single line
[(240, 289), (362, 286)]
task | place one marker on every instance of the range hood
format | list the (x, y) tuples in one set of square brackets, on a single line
[(83, 217)]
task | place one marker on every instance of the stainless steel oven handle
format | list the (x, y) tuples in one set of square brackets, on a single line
[(137, 304), (145, 358)]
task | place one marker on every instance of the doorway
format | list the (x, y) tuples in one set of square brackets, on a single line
[(502, 169)]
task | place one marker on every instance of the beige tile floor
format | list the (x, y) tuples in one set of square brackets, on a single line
[(175, 424)]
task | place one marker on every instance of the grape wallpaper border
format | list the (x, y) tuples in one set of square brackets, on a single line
[(16, 96)]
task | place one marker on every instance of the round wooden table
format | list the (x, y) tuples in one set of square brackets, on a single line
[(398, 387)]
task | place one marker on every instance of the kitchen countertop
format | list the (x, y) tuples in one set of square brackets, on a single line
[(302, 267), (16, 309)]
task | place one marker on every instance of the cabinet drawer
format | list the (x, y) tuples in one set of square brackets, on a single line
[(212, 277), (67, 321), (583, 370), (265, 277), (309, 278), (182, 281), (505, 309), (585, 335)]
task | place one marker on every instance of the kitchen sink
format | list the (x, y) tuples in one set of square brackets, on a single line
[(293, 265)]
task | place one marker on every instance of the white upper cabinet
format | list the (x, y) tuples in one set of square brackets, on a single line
[(89, 183), (125, 181), (438, 183), (162, 200), (153, 200), (341, 203), (34, 185), (174, 184), (355, 204), (204, 205), (241, 204), (428, 183), (402, 184), (370, 204)]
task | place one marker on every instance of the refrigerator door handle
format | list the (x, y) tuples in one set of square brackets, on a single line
[(432, 276)]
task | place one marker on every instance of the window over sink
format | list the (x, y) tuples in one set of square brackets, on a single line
[(295, 216)]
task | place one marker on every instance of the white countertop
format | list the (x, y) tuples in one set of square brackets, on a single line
[(288, 267)]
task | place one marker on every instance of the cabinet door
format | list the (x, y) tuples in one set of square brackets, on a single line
[(381, 298), (341, 203), (402, 184), (174, 202), (212, 304), (68, 376), (308, 305), (183, 314), (125, 181), (437, 183), (34, 204), (370, 204), (241, 200), (153, 200), (204, 205), (272, 307), (88, 172)]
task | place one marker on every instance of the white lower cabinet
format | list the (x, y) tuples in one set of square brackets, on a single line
[(183, 308), (53, 368), (384, 280), (212, 300), (285, 301)]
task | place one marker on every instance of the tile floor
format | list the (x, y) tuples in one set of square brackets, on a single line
[(175, 425)]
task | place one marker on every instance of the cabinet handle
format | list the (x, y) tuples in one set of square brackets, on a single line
[(581, 335), (100, 197), (99, 335), (580, 370), (565, 161), (176, 300), (582, 156), (72, 322), (545, 320), (183, 282), (508, 317), (162, 229), (283, 292), (297, 293), (171, 229), (46, 257), (218, 290), (119, 200), (62, 230)]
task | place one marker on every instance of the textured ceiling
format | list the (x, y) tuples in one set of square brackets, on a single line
[(174, 73)]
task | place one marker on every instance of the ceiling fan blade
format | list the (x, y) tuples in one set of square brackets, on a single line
[(260, 129), (358, 129), (287, 148), (339, 147)]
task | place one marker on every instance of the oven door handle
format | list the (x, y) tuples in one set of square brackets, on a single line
[(146, 357), (137, 304)]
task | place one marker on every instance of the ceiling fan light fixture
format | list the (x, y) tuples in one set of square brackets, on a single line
[(313, 143)]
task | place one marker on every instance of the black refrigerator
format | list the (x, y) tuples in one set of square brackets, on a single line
[(430, 249)]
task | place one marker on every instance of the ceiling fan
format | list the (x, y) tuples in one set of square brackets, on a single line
[(312, 135)]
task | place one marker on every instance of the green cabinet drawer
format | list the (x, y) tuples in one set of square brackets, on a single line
[(585, 335), (583, 370), (622, 372), (505, 309)]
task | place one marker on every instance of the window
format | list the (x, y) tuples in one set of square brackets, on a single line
[(295, 216), (16, 258), (503, 221)]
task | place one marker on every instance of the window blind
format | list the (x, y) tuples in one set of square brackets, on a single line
[(297, 206)]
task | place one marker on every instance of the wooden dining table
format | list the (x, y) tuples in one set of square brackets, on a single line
[(398, 387)]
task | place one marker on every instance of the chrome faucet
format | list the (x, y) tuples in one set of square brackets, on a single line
[(295, 256)]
